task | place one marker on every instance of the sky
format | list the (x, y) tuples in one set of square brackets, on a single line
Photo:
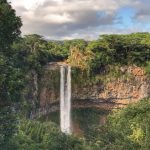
[(82, 19)]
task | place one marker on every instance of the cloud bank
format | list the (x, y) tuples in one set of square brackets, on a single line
[(67, 19)]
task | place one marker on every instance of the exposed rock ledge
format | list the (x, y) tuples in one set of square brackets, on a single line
[(101, 104), (115, 94)]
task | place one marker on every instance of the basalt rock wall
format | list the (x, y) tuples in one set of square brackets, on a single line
[(118, 92)]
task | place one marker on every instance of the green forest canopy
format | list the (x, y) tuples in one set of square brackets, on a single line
[(19, 55)]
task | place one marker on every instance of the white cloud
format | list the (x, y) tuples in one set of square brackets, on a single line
[(28, 4), (68, 18), (56, 18)]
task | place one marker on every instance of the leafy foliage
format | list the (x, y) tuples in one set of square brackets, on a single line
[(7, 126), (9, 26), (120, 49), (9, 31), (80, 58), (147, 67), (11, 76), (128, 128), (34, 135)]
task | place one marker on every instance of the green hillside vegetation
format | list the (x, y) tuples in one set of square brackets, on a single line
[(126, 129), (94, 55)]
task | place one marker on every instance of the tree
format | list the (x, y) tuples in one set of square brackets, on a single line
[(45, 136), (80, 58), (9, 26), (9, 31), (10, 73), (103, 55), (127, 128), (36, 52)]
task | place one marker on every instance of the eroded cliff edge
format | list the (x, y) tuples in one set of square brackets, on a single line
[(131, 87)]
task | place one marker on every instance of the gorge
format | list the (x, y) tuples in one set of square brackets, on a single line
[(55, 95), (72, 94), (132, 86)]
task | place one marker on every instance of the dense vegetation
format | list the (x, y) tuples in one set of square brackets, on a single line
[(126, 129), (107, 50), (10, 74), (33, 135)]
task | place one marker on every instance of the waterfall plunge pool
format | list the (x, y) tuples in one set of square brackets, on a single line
[(82, 119)]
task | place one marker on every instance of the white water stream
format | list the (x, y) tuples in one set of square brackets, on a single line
[(65, 99)]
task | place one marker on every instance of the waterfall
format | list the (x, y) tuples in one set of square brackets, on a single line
[(65, 99)]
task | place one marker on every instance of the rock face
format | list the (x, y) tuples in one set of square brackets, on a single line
[(130, 90), (49, 85), (118, 92)]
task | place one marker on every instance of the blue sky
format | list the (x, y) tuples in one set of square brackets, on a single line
[(126, 14), (68, 19)]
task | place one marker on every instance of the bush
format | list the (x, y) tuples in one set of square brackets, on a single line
[(34, 135), (128, 128), (8, 126)]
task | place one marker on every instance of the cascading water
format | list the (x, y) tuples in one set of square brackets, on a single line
[(65, 99)]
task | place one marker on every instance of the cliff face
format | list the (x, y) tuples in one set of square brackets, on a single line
[(124, 91), (117, 93)]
